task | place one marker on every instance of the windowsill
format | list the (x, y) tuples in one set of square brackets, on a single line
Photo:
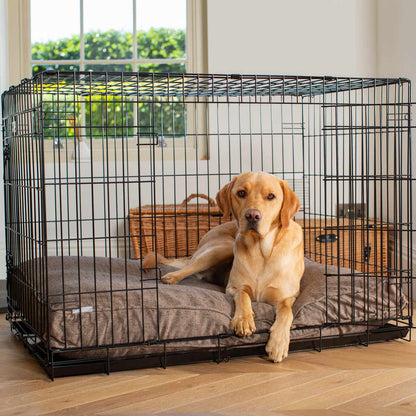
[(117, 150)]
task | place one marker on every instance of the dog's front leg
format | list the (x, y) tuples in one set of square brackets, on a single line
[(277, 347), (243, 320)]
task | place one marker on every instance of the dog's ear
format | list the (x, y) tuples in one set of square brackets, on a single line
[(290, 205), (224, 199)]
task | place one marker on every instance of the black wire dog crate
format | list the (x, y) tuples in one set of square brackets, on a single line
[(101, 168)]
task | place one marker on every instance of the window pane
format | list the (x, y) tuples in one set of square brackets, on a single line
[(52, 36), (108, 27), (110, 116), (169, 120), (166, 119), (178, 68), (161, 34), (109, 67), (57, 67)]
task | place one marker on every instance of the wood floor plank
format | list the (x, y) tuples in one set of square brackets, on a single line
[(132, 402), (317, 382), (60, 388), (299, 361), (78, 396), (244, 397), (233, 413), (387, 396), (369, 410), (16, 388), (316, 412), (390, 346), (359, 357), (169, 401), (406, 400), (212, 392), (348, 391)]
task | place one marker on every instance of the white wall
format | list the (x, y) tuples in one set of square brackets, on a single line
[(396, 53), (396, 34), (298, 37), (4, 83)]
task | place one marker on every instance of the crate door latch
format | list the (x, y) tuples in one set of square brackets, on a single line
[(367, 252), (327, 238)]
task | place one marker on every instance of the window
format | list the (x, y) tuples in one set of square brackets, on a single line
[(103, 35), (47, 23)]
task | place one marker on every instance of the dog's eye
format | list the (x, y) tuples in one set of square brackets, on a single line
[(271, 196), (241, 194)]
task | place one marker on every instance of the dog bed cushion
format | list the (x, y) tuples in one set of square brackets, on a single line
[(103, 301)]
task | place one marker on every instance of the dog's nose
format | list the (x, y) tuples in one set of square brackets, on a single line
[(253, 215)]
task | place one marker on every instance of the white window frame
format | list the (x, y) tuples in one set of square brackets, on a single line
[(20, 56), (20, 49)]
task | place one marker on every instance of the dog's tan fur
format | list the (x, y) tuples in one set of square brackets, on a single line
[(267, 257)]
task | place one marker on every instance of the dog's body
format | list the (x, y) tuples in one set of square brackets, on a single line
[(265, 247)]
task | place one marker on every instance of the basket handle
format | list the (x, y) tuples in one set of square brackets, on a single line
[(192, 196)]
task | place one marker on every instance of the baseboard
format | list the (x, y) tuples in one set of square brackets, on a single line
[(3, 296), (2, 261), (405, 250)]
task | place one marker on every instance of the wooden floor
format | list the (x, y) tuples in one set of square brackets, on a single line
[(375, 380)]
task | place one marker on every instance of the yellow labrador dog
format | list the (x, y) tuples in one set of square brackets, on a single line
[(267, 247)]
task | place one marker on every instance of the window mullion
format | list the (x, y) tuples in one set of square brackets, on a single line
[(83, 129), (135, 68), (135, 64), (81, 37)]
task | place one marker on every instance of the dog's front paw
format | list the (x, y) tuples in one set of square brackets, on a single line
[(170, 279), (243, 326), (277, 347)]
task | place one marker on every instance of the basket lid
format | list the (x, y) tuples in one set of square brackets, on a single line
[(211, 208)]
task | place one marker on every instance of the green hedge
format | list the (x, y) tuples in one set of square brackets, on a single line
[(154, 44), (114, 118)]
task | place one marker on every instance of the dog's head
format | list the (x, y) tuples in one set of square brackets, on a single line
[(258, 201)]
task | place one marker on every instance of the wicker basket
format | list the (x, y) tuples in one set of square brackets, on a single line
[(363, 244), (177, 229)]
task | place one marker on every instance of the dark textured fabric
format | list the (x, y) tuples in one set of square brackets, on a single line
[(84, 313)]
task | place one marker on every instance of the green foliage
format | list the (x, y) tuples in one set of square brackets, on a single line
[(161, 43), (66, 48), (114, 116), (108, 45), (154, 44)]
